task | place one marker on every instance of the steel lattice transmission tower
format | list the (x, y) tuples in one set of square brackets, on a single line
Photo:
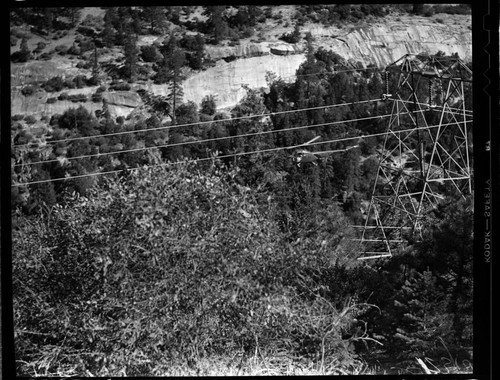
[(425, 153)]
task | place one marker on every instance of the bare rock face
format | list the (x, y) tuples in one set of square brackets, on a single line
[(226, 80), (378, 44), (39, 104), (252, 49), (383, 43), (121, 103), (238, 51)]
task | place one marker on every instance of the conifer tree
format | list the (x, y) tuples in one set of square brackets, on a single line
[(48, 18), (169, 70), (131, 55), (95, 66), (217, 24), (156, 18), (24, 51), (420, 315), (74, 14), (108, 33)]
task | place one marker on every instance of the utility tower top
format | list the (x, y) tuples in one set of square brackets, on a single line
[(433, 66)]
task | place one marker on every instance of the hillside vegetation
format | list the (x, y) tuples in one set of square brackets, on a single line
[(160, 242)]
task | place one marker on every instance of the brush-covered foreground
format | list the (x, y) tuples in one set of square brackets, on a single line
[(172, 266), (182, 271)]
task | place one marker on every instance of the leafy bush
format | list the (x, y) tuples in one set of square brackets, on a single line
[(150, 53), (28, 90), (46, 56), (292, 37), (120, 86), (452, 9), (78, 98), (80, 81), (79, 119), (54, 84), (61, 49), (63, 96), (30, 119), (74, 50), (85, 30), (97, 97), (23, 54), (173, 264), (40, 46), (208, 105)]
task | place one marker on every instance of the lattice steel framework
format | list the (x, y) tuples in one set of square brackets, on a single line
[(425, 153)]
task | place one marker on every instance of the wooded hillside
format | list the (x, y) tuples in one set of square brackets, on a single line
[(184, 239)]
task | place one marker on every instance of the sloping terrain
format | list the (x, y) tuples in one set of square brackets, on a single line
[(376, 42)]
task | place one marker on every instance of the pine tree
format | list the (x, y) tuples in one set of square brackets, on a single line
[(422, 318), (24, 51), (216, 23), (74, 14), (169, 70), (156, 18), (418, 8), (48, 18), (108, 33), (131, 56), (95, 67), (453, 239), (208, 105)]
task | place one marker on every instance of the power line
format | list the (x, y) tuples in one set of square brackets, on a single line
[(208, 140), (169, 127), (226, 156), (458, 110), (212, 139)]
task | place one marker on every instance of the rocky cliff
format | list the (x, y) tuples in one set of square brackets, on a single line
[(382, 43), (376, 43), (226, 80)]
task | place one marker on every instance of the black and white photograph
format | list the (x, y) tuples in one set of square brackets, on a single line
[(244, 190)]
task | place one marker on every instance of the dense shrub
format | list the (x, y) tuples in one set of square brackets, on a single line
[(61, 49), (40, 46), (208, 105), (54, 84), (28, 90), (78, 98), (461, 9), (23, 54), (86, 45), (63, 96), (97, 97), (46, 56), (80, 81), (150, 53), (69, 83), (30, 119), (120, 86), (77, 118), (178, 264), (74, 50), (85, 30), (292, 37)]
